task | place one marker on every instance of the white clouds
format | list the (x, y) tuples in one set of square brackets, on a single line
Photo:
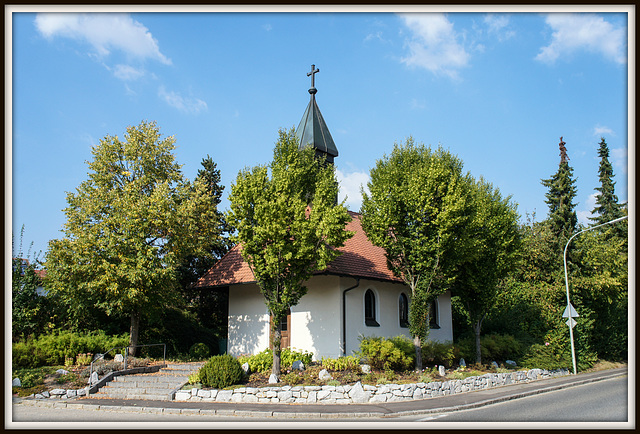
[(576, 32), (602, 131), (127, 72), (498, 25), (105, 32), (350, 184), (434, 44), (187, 105)]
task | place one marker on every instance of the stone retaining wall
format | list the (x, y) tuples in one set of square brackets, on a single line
[(359, 393)]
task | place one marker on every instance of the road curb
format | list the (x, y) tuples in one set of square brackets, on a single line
[(280, 414)]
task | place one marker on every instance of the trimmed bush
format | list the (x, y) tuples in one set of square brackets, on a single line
[(199, 351), (221, 371)]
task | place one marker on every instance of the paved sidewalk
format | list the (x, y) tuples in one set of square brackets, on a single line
[(333, 411)]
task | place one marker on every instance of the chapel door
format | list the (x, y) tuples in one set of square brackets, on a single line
[(285, 327)]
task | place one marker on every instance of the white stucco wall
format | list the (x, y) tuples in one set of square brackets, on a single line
[(316, 322), (248, 321), (387, 314)]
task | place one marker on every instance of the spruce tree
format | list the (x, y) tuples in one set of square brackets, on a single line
[(562, 190), (607, 206)]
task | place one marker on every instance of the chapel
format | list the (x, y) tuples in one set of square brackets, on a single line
[(356, 296)]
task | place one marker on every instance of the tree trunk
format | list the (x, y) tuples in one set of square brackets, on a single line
[(476, 329), (418, 346), (277, 340), (134, 330)]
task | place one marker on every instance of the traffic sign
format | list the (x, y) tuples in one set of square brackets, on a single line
[(570, 312), (571, 322)]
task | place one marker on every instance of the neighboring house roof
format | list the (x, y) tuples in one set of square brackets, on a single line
[(359, 258)]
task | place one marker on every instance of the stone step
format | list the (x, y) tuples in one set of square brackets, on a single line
[(155, 386)]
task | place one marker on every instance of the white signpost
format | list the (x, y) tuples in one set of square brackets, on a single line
[(570, 311)]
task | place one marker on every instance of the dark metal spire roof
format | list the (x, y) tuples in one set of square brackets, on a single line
[(312, 129)]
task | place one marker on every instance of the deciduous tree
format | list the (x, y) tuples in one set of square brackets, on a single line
[(128, 227), (288, 225), (495, 237), (418, 209)]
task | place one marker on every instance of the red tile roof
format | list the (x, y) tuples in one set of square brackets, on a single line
[(359, 258)]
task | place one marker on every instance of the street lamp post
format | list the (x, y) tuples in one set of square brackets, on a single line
[(570, 311)]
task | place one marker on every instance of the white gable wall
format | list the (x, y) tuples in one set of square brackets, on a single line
[(316, 322)]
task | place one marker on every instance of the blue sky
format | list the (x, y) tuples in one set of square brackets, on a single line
[(497, 89)]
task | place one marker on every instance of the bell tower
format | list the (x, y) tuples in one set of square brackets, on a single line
[(312, 130)]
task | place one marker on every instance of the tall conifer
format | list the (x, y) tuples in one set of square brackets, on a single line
[(607, 207), (562, 190)]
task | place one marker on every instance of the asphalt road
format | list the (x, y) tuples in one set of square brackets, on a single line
[(603, 401)]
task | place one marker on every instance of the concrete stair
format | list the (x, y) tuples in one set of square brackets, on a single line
[(156, 386)]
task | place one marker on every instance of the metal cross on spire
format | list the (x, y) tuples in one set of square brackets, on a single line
[(313, 72)]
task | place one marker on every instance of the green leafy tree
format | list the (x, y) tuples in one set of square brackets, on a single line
[(209, 306), (31, 313), (562, 191), (288, 225), (495, 237), (418, 210), (129, 226)]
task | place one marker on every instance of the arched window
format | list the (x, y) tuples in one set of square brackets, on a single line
[(403, 310), (433, 314), (370, 309)]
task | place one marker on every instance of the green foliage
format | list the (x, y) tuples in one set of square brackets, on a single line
[(263, 361), (199, 351), (51, 349), (288, 224), (31, 313), (417, 210), (439, 353), (344, 363), (494, 347), (560, 195), (495, 237), (129, 226), (607, 207), (382, 353), (180, 330), (194, 378), (544, 356), (221, 371), (290, 355)]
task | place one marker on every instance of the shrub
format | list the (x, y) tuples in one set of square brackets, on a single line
[(221, 371), (492, 347), (260, 362), (263, 361), (288, 356), (53, 348), (345, 363), (438, 353), (199, 351), (382, 353)]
